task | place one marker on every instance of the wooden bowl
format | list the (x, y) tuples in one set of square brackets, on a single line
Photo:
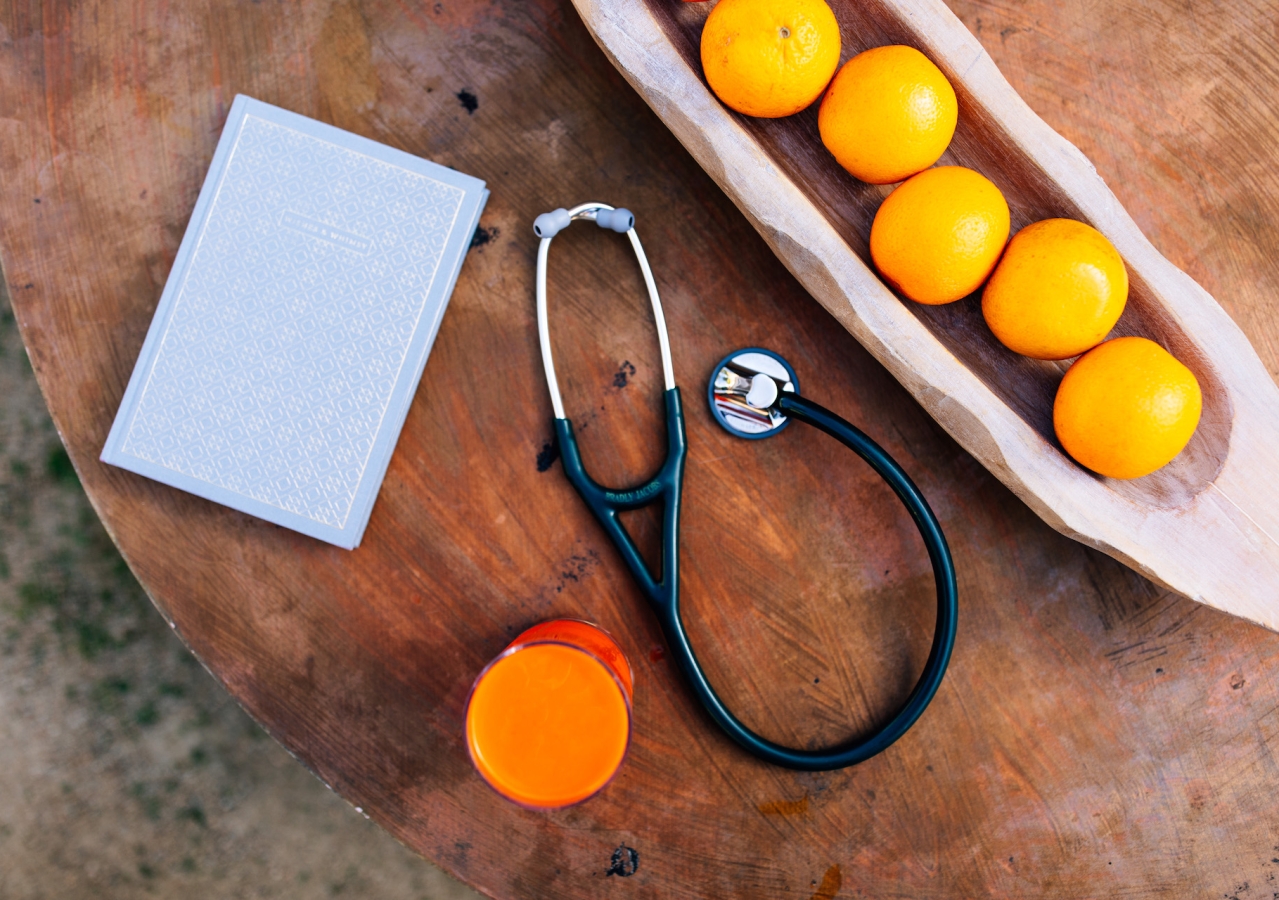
[(1205, 524)]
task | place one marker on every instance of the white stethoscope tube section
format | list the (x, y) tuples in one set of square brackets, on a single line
[(547, 226)]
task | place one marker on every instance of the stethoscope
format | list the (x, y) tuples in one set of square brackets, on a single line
[(753, 394)]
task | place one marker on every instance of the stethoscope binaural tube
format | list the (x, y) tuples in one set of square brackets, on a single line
[(667, 486), (546, 226)]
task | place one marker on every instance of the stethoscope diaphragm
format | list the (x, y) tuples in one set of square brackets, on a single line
[(743, 392)]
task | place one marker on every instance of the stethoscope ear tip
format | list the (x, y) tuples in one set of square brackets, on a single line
[(743, 392), (619, 220), (549, 224)]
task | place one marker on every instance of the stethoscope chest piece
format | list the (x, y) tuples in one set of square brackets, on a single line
[(743, 392)]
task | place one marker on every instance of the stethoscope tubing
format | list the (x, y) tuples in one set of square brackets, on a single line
[(944, 631), (667, 484)]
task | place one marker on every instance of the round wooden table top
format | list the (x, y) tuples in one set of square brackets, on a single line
[(1095, 736)]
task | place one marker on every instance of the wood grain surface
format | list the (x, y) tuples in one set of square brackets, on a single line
[(1095, 735)]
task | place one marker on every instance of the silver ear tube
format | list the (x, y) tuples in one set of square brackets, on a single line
[(546, 226)]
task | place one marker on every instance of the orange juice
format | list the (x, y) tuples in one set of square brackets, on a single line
[(549, 720)]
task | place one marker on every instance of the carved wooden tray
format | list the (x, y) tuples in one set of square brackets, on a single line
[(1205, 524)]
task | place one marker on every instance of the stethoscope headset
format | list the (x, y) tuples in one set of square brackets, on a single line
[(753, 393)]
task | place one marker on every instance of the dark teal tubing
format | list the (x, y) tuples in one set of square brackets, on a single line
[(667, 486), (663, 592)]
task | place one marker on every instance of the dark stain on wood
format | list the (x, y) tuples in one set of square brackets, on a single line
[(577, 567), (483, 236), (624, 862), (623, 374), (547, 455)]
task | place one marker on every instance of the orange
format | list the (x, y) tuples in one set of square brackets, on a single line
[(1126, 408), (889, 113), (548, 721), (1057, 292), (770, 58), (938, 235)]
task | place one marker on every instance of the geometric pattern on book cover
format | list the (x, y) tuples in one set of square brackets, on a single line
[(293, 321)]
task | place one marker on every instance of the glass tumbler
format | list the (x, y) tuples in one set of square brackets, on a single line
[(548, 721)]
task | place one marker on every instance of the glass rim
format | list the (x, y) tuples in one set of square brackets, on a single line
[(630, 670)]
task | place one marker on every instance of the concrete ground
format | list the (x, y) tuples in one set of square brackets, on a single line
[(125, 769)]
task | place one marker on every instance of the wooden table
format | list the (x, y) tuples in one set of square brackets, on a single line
[(1094, 737)]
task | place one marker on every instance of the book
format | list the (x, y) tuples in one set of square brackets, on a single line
[(295, 324)]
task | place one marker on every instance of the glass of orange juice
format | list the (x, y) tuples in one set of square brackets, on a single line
[(549, 720)]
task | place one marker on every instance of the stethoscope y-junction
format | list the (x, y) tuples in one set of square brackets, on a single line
[(753, 393)]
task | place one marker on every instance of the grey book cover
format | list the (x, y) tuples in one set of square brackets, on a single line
[(295, 324)]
